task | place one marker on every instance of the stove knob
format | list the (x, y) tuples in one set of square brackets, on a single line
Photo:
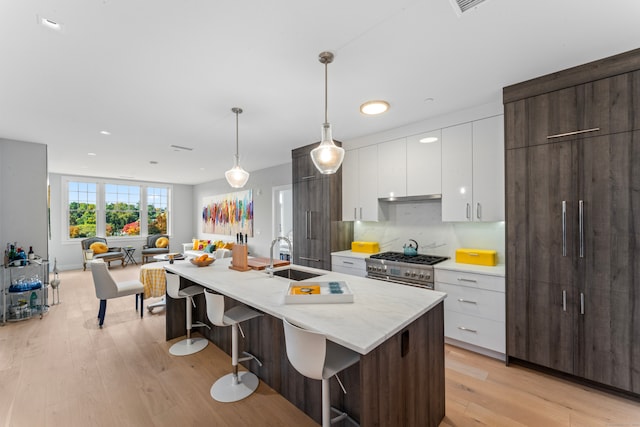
[(421, 276), (413, 274), (406, 273)]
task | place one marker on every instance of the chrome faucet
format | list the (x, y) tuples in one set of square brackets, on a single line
[(273, 243)]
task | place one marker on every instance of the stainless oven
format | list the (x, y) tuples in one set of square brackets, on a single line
[(395, 267)]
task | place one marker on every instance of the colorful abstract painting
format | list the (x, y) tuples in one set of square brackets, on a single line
[(228, 214)]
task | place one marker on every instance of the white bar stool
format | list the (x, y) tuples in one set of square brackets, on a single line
[(236, 385), (317, 358), (188, 345)]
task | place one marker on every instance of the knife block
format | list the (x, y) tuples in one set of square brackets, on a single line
[(239, 258)]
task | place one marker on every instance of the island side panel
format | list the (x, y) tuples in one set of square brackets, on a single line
[(402, 380)]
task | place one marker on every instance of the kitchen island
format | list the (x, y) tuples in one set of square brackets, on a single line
[(398, 330)]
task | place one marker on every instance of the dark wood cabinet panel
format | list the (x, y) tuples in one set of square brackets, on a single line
[(317, 212), (573, 299), (600, 107)]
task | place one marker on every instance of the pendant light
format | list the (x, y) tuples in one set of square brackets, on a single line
[(327, 156), (236, 176)]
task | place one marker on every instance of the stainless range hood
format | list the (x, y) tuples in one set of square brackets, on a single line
[(411, 199)]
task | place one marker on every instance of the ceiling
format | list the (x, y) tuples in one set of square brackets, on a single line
[(156, 73)]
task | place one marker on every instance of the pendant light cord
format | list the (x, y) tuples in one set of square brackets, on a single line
[(237, 145), (326, 90)]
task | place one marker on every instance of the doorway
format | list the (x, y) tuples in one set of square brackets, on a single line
[(282, 220)]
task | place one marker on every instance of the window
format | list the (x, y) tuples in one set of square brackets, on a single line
[(82, 209), (122, 210), (157, 203), (113, 209)]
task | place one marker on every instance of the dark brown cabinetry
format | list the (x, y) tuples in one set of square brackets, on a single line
[(317, 212), (573, 229)]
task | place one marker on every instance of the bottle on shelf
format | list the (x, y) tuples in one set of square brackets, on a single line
[(33, 300), (31, 255)]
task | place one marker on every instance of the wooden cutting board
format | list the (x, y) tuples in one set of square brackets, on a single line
[(262, 263)]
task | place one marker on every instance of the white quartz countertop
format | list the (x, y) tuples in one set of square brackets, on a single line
[(450, 264), (379, 311)]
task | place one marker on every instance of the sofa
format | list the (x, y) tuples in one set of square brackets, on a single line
[(100, 250), (157, 244), (188, 251)]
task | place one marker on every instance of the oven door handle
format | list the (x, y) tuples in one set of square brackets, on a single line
[(400, 282)]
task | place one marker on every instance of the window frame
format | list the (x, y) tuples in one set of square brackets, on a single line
[(101, 229)]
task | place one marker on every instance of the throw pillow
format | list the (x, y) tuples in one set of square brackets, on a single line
[(210, 248), (196, 243), (162, 242), (98, 248)]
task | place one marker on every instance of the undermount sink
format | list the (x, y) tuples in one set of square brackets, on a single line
[(293, 274)]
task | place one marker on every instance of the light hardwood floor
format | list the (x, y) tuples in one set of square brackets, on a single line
[(65, 371)]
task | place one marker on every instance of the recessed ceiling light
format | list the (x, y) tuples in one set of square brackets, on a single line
[(105, 132), (49, 23), (153, 162), (372, 108), (428, 100), (91, 154), (429, 139)]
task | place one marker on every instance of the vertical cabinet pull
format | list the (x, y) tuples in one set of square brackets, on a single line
[(355, 215), (310, 225), (581, 303), (564, 300), (361, 213), (478, 214), (564, 228), (468, 211), (581, 220)]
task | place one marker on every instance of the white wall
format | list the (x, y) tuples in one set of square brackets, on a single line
[(23, 195), (261, 182), (69, 253)]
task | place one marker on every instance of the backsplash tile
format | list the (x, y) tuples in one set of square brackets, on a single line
[(422, 221)]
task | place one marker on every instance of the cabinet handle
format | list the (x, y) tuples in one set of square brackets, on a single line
[(478, 215), (468, 211), (355, 214), (462, 279), (577, 132), (361, 213), (564, 228), (564, 300), (310, 259), (347, 262), (310, 225), (306, 225), (462, 328), (581, 303), (467, 301), (581, 220), (308, 177)]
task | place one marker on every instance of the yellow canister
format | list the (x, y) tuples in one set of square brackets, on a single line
[(366, 247), (477, 256)]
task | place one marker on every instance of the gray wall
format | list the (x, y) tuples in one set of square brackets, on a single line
[(68, 253), (261, 182), (23, 195)]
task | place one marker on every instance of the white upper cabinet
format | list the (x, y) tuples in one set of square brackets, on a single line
[(488, 169), (424, 164), (473, 171), (392, 169), (360, 184)]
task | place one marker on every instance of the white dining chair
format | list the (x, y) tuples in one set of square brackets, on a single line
[(107, 288)]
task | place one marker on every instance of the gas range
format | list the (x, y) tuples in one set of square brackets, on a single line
[(397, 267)]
